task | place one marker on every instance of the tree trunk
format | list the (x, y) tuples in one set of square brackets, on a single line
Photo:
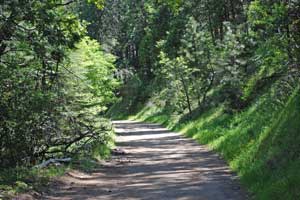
[(186, 92)]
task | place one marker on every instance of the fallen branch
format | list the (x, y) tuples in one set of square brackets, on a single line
[(51, 161)]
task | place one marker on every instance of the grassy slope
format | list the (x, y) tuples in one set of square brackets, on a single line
[(262, 144)]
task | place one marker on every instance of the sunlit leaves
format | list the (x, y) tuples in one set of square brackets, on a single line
[(97, 72), (99, 3)]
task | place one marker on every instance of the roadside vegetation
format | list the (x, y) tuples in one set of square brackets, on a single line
[(55, 85)]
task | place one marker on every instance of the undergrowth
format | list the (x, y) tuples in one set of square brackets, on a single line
[(19, 180)]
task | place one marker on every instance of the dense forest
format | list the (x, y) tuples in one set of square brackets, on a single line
[(225, 73)]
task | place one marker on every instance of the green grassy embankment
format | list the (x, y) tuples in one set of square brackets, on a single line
[(262, 143)]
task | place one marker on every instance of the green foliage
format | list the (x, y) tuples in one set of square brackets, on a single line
[(133, 96), (96, 70), (20, 180), (174, 4), (177, 75), (197, 49), (272, 32), (89, 84), (31, 54), (42, 114), (267, 16), (99, 3)]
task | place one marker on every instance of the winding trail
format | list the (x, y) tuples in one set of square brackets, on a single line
[(154, 164)]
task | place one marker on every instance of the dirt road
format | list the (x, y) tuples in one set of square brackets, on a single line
[(153, 164)]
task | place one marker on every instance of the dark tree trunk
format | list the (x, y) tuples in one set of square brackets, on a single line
[(186, 92)]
